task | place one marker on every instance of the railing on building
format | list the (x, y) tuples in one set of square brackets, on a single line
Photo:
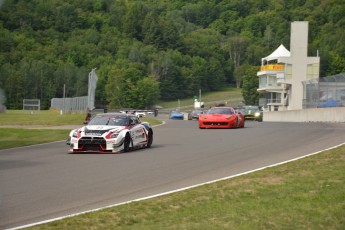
[(272, 84), (273, 101)]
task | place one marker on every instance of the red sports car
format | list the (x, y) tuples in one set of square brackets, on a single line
[(221, 118)]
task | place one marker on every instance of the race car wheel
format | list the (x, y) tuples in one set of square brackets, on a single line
[(149, 138), (127, 143)]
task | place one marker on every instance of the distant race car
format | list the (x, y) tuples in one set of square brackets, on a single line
[(221, 118), (176, 115), (251, 112), (140, 114), (111, 132), (194, 114)]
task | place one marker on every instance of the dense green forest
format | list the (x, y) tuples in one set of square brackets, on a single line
[(153, 49)]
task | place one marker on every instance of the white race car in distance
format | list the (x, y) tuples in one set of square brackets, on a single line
[(111, 132), (140, 114)]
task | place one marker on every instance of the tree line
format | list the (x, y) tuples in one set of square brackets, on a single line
[(154, 49)]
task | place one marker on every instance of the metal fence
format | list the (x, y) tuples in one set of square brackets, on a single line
[(31, 104), (70, 104), (325, 92), (78, 103)]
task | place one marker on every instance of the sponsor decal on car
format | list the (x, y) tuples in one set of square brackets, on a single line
[(94, 134)]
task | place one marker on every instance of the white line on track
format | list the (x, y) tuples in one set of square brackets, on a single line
[(173, 191)]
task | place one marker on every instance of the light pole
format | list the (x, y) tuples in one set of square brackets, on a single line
[(63, 100)]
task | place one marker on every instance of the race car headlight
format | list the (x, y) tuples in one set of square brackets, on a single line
[(75, 133), (114, 135), (228, 118), (257, 114)]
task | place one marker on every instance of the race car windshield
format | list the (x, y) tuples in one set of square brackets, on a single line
[(112, 121), (249, 109), (219, 111), (196, 112)]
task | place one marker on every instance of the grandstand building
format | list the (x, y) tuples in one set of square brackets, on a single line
[(283, 72)]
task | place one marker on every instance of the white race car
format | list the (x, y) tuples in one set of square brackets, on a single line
[(140, 114), (111, 132)]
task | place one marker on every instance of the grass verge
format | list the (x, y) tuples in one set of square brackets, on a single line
[(229, 95), (43, 117), (304, 194), (11, 138)]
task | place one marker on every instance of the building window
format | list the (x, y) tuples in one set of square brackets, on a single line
[(288, 71), (273, 98), (312, 71), (263, 82), (272, 80)]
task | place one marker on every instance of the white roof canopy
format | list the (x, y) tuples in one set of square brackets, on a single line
[(281, 51)]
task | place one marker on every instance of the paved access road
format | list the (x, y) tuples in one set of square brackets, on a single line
[(44, 181)]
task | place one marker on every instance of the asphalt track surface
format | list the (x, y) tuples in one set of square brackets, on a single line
[(44, 181)]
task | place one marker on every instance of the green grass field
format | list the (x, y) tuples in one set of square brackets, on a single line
[(17, 136), (43, 117), (13, 137), (228, 95)]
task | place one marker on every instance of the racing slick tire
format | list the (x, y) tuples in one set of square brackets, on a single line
[(149, 138), (127, 143), (237, 123)]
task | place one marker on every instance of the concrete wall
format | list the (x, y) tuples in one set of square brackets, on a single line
[(307, 115)]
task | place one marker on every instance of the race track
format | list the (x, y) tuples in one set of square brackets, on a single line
[(45, 181)]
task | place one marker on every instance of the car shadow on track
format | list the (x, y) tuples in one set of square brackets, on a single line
[(116, 153)]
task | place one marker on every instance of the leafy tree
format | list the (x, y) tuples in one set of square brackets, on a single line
[(215, 77), (150, 27), (201, 13), (254, 54), (134, 18), (250, 84), (336, 64), (196, 74), (11, 83), (182, 26), (207, 45), (161, 64), (115, 87), (124, 90), (65, 18), (236, 48), (143, 94), (171, 79), (256, 24)]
